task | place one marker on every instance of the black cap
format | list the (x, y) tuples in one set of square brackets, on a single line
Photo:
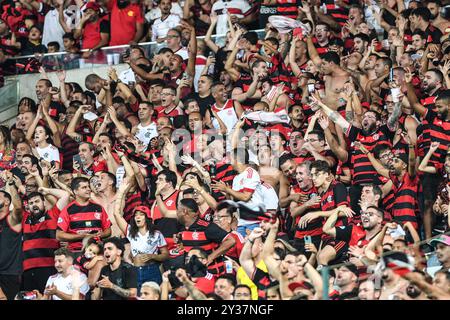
[(352, 268)]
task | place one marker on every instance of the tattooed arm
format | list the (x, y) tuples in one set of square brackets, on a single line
[(333, 115), (392, 122), (125, 293)]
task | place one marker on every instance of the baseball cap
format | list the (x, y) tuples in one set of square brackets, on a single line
[(92, 5), (284, 239), (442, 239), (143, 209), (352, 268), (302, 284)]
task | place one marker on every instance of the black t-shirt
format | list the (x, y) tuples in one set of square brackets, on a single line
[(352, 295), (204, 103), (125, 277)]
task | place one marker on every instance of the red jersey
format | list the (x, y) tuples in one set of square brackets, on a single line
[(168, 226), (236, 250), (173, 113), (83, 219), (39, 239), (123, 23)]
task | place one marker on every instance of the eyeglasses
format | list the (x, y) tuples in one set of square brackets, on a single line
[(166, 94), (174, 36)]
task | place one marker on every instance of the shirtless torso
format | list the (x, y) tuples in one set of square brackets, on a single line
[(271, 176), (334, 84), (108, 205)]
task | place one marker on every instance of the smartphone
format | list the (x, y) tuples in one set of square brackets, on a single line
[(311, 87), (391, 75), (307, 239), (77, 158), (26, 295)]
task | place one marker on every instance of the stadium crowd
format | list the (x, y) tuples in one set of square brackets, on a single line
[(311, 162)]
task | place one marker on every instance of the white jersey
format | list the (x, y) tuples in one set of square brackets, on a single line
[(146, 244), (269, 196), (147, 133), (234, 7), (183, 53), (53, 31), (64, 284), (160, 27), (249, 181), (155, 13), (200, 63), (227, 114), (49, 153)]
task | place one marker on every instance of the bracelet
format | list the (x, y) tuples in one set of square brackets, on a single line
[(11, 183)]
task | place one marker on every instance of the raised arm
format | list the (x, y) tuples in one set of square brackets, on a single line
[(30, 131), (250, 93), (340, 152), (211, 44), (212, 203), (246, 257), (194, 293), (113, 115), (312, 51), (375, 163), (268, 250), (120, 205), (74, 123), (62, 196), (411, 158), (11, 188), (165, 212), (335, 116), (294, 67), (61, 17), (392, 122), (412, 98), (229, 65), (192, 49), (424, 167)]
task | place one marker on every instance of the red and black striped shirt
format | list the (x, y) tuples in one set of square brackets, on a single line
[(314, 228), (320, 49), (207, 236), (339, 14), (83, 219), (288, 8), (389, 199), (362, 169), (335, 196), (405, 206), (39, 239), (244, 83), (133, 200), (423, 130), (439, 130)]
